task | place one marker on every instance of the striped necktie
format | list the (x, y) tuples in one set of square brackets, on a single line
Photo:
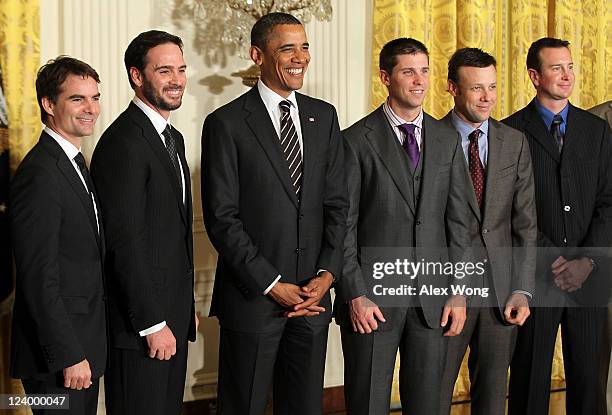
[(291, 146)]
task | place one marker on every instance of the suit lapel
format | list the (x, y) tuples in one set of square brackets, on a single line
[(308, 124), (262, 128), (68, 171), (392, 155), (471, 193), (534, 125), (188, 203), (496, 146), (155, 142)]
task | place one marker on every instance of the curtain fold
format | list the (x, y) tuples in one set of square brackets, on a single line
[(19, 62)]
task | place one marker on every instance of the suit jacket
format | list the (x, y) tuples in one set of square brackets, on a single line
[(59, 317), (604, 111), (506, 227), (573, 190), (252, 214), (385, 212), (148, 231)]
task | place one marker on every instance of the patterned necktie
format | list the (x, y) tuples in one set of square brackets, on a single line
[(171, 147), (410, 144), (476, 169), (291, 146), (555, 130)]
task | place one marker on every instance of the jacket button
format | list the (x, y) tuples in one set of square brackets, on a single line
[(297, 250), (418, 222), (567, 208), (485, 231)]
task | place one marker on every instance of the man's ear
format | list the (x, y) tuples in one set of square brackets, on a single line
[(136, 76), (256, 55), (453, 88), (48, 105), (384, 77), (534, 76)]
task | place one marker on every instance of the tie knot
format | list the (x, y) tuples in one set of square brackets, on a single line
[(80, 161), (474, 135), (285, 106), (557, 120), (407, 129)]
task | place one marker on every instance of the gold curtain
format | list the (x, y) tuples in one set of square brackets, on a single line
[(19, 60), (506, 29)]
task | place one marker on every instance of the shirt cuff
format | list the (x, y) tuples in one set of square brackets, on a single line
[(271, 285), (153, 329), (527, 293)]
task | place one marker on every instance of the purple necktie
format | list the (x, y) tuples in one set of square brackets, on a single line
[(410, 143)]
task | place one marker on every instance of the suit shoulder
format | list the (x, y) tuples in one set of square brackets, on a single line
[(316, 102), (587, 117), (506, 130), (515, 120)]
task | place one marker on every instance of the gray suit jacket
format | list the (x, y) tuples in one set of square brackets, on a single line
[(604, 111), (385, 212), (508, 216)]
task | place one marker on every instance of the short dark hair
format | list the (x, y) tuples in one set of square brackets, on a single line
[(474, 57), (265, 25), (51, 77), (401, 46), (136, 52), (533, 55)]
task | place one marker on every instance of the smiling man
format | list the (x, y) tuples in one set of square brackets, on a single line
[(571, 151), (504, 230), (407, 190), (59, 321), (273, 196), (143, 180)]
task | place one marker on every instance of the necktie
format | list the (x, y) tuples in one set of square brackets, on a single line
[(80, 161), (555, 129), (410, 143), (476, 169), (291, 146), (171, 147)]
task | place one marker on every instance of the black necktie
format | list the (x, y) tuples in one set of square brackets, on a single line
[(291, 146), (171, 147), (555, 130), (477, 172), (80, 161)]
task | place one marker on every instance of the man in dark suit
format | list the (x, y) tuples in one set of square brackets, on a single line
[(274, 202), (571, 152), (59, 321), (144, 185), (407, 188), (502, 203)]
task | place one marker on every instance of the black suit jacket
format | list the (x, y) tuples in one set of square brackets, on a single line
[(148, 231), (573, 190), (253, 216), (59, 316)]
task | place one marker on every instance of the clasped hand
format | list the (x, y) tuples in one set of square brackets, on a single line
[(302, 301)]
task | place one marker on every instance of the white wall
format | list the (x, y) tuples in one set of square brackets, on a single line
[(98, 33)]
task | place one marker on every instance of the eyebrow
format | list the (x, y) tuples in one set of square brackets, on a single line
[(170, 67), (82, 96), (287, 45)]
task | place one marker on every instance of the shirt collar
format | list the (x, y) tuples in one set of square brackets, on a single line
[(159, 122), (271, 99), (396, 120), (547, 115), (69, 148), (466, 129)]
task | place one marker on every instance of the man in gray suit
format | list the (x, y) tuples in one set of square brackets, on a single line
[(502, 203), (407, 189)]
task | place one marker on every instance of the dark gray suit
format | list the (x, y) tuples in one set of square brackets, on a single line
[(507, 219), (390, 206)]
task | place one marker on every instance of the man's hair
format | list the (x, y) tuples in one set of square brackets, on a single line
[(136, 52), (401, 46), (265, 25), (533, 55), (474, 57), (52, 75)]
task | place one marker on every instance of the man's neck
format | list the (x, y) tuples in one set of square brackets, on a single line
[(407, 114), (75, 141), (553, 105), (163, 113)]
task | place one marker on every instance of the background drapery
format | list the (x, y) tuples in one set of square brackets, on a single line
[(506, 29), (19, 62)]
